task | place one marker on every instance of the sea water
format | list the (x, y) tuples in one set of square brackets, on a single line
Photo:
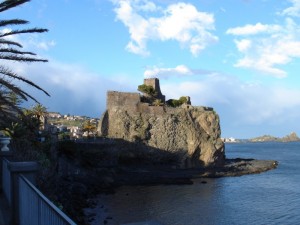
[(271, 197)]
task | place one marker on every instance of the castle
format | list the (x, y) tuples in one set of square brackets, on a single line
[(132, 102), (191, 134)]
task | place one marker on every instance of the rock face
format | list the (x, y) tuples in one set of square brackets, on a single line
[(192, 133)]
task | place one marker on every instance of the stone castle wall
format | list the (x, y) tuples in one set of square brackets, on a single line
[(131, 102), (125, 100)]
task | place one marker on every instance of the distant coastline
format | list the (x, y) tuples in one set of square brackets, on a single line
[(292, 137)]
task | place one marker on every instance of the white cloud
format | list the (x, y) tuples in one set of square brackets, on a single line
[(45, 45), (137, 25), (178, 71), (250, 29), (180, 22), (270, 49), (156, 72), (147, 7), (243, 45), (294, 10)]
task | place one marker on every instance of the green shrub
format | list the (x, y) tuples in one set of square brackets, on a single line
[(147, 89), (182, 100), (175, 102)]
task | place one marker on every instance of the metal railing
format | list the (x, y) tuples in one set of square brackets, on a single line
[(27, 205), (6, 181), (36, 209)]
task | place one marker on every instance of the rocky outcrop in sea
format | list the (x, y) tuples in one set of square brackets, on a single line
[(191, 133)]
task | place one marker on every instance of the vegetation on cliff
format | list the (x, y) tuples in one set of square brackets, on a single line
[(177, 103), (147, 89)]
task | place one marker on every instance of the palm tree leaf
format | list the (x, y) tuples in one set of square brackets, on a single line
[(20, 58), (7, 42), (33, 30), (7, 72), (10, 4), (13, 89), (14, 51), (12, 22)]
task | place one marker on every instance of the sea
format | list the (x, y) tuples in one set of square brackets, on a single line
[(271, 197)]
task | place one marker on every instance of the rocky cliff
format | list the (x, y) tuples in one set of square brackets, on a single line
[(192, 133)]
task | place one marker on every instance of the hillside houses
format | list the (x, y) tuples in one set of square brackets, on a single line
[(69, 126), (54, 115)]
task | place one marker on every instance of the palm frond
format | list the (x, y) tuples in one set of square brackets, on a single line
[(33, 30), (20, 58), (10, 74), (10, 4), (14, 51), (7, 42), (13, 88), (12, 22)]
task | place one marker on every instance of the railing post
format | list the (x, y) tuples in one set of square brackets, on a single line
[(4, 153), (7, 155), (28, 170)]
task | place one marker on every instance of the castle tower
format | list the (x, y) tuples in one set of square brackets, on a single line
[(154, 82)]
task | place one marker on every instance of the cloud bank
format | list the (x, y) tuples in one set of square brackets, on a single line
[(181, 22), (73, 88)]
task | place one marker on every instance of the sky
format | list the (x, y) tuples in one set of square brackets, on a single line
[(240, 57)]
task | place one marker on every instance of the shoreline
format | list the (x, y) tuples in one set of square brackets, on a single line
[(79, 191), (163, 175), (151, 175)]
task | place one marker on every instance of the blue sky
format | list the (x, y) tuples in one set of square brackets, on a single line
[(240, 57)]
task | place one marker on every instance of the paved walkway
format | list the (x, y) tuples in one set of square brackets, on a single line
[(4, 212)]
